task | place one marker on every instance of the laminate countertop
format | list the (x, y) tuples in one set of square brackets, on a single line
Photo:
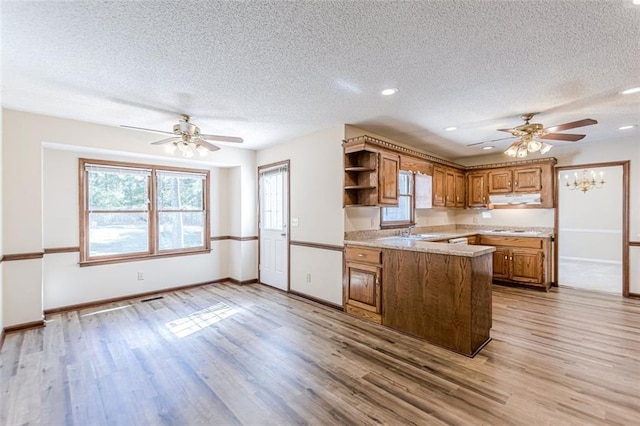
[(427, 242)]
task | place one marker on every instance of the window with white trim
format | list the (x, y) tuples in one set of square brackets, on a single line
[(130, 211), (403, 214)]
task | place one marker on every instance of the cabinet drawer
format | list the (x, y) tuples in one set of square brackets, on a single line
[(524, 242), (362, 254)]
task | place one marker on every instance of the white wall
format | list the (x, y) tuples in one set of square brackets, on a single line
[(23, 171), (316, 171), (1, 233), (590, 223)]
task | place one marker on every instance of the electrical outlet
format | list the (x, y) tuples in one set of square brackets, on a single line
[(475, 219), (308, 278), (140, 276), (373, 222)]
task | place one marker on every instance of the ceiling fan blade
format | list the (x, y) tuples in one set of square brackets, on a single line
[(208, 145), (572, 125), (167, 140), (147, 130), (507, 130), (492, 140), (563, 137), (222, 138)]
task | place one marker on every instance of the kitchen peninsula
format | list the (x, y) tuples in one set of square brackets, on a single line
[(439, 292)]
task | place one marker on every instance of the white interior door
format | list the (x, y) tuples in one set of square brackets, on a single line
[(274, 238)]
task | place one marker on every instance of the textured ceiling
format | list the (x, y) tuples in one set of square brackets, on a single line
[(271, 71)]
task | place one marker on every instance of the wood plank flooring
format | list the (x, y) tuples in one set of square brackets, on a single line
[(225, 354)]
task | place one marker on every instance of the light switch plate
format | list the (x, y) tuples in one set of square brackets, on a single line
[(294, 221)]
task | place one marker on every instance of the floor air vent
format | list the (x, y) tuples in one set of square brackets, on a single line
[(152, 298)]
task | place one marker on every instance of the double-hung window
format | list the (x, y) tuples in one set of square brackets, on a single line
[(130, 211), (403, 214)]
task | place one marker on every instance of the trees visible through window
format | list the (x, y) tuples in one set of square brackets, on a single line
[(403, 214), (130, 211)]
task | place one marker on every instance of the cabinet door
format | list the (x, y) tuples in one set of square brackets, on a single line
[(501, 263), (500, 181), (527, 179), (460, 193), (450, 189), (389, 167), (362, 287), (527, 266), (476, 190), (439, 176)]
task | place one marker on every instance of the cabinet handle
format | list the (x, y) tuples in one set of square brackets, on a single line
[(510, 257), (360, 255), (516, 183), (505, 258)]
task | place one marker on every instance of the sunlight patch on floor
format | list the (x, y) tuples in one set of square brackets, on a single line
[(201, 319)]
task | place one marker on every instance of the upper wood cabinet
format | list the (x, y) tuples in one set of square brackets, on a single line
[(500, 181), (527, 179), (459, 201), (388, 179), (477, 195), (439, 186), (448, 187), (370, 177)]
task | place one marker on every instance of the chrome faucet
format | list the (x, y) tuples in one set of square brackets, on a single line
[(406, 232)]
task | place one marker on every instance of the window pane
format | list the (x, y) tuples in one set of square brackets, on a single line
[(118, 233), (117, 190), (402, 213), (272, 187), (404, 183), (180, 193), (181, 230)]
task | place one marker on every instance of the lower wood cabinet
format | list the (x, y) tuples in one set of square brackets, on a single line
[(520, 260), (361, 282)]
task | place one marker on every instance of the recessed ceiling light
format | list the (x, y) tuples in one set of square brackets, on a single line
[(389, 92), (488, 147), (630, 91), (636, 2), (450, 129), (627, 127)]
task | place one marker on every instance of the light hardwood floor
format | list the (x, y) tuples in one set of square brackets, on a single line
[(226, 354)]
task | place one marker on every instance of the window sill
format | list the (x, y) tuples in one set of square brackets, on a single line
[(397, 225), (137, 258)]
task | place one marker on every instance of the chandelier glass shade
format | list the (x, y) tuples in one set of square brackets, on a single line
[(525, 145), (585, 181)]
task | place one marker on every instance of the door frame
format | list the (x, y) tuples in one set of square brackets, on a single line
[(626, 246), (287, 164)]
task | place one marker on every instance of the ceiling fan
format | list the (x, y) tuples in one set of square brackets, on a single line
[(187, 138), (529, 133)]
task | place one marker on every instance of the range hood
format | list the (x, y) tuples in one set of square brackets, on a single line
[(515, 199)]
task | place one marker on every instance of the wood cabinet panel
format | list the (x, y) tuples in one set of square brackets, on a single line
[(443, 299), (501, 263), (527, 179), (524, 242), (439, 186), (362, 286), (477, 195), (460, 192), (362, 254), (500, 181), (527, 266), (388, 179), (450, 189)]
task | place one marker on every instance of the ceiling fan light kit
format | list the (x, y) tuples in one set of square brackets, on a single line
[(528, 131), (188, 140)]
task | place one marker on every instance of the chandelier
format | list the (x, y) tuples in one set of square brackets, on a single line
[(526, 144), (584, 182)]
